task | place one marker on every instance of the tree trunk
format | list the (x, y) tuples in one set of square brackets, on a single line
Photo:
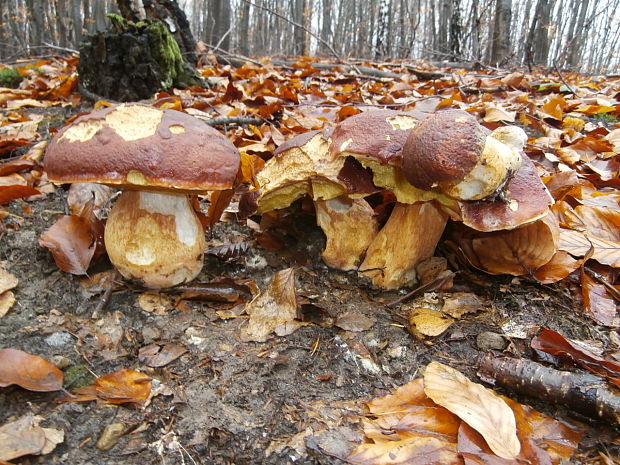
[(500, 46), (244, 29)]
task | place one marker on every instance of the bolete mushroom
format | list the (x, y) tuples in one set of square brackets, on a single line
[(158, 157), (303, 166), (453, 153)]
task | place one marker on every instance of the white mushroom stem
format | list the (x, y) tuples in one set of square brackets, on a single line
[(410, 236), (350, 227), (155, 238)]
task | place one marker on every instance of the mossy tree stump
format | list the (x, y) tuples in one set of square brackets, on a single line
[(133, 61)]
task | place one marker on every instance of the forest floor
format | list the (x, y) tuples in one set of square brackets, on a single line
[(298, 398)]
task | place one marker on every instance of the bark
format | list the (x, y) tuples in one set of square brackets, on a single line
[(500, 49), (582, 392)]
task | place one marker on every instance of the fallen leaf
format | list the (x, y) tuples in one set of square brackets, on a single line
[(16, 192), (417, 450), (29, 371), (554, 343), (155, 302), (597, 303), (71, 242), (354, 321), (520, 251), (476, 405), (274, 310), (459, 303), (155, 355), (558, 268), (88, 195), (219, 201), (8, 281), (25, 437), (7, 300), (427, 322), (122, 386)]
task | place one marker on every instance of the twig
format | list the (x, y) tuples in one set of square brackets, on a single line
[(241, 120), (557, 70), (105, 297), (301, 26), (62, 49)]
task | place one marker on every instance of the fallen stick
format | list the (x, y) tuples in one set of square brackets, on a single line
[(584, 393)]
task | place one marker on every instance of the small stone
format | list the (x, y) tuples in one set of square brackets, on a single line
[(58, 339), (491, 341), (110, 436), (61, 361)]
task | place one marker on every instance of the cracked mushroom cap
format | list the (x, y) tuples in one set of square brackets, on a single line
[(303, 165), (136, 146), (452, 153), (376, 140)]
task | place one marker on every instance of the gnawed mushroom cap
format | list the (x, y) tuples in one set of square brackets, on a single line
[(304, 165), (452, 153), (136, 146), (376, 139)]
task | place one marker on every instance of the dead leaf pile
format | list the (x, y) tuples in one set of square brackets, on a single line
[(445, 418)]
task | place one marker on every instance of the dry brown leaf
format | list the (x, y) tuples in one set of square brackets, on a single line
[(71, 242), (274, 310), (520, 251), (155, 302), (580, 244), (427, 322), (7, 300), (417, 450), (601, 222), (88, 195), (459, 303), (8, 281), (354, 321), (29, 371), (476, 405), (25, 437), (559, 267), (156, 355), (122, 386), (16, 192), (597, 302)]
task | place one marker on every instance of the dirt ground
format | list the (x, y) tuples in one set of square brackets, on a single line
[(293, 399)]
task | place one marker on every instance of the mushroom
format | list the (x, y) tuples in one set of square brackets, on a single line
[(495, 184), (375, 139), (158, 157), (451, 151), (303, 166)]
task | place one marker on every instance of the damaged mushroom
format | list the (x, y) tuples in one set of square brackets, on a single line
[(158, 157), (303, 166), (375, 139)]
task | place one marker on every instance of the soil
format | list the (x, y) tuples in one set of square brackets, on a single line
[(293, 399)]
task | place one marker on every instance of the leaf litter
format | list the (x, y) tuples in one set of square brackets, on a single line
[(574, 149)]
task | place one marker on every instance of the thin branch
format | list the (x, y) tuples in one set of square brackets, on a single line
[(301, 26)]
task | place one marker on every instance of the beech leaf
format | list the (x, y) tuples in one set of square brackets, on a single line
[(25, 437), (274, 310), (29, 371), (71, 242), (122, 386), (476, 405)]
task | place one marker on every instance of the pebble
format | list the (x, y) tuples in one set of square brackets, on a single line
[(110, 436), (491, 341)]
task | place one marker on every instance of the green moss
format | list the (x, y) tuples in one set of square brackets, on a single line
[(10, 77), (606, 118), (78, 376)]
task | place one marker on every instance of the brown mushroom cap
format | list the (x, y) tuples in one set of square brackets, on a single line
[(376, 134), (141, 147), (443, 149), (526, 199)]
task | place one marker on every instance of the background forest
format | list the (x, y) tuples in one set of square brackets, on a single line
[(582, 35)]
